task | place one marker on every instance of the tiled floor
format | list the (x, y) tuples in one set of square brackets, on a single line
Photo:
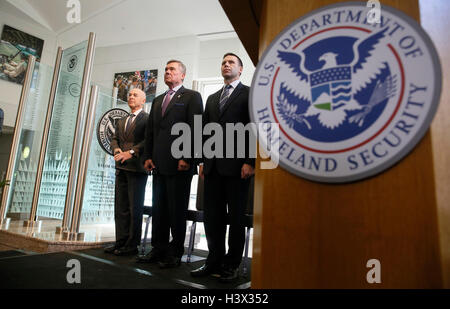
[(5, 248), (46, 230), (99, 270), (95, 233)]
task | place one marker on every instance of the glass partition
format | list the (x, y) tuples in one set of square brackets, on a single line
[(25, 167), (98, 200), (53, 189), (97, 214)]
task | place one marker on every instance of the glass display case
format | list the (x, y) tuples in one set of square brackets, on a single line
[(25, 167)]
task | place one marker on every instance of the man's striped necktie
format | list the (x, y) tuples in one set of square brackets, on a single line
[(224, 97)]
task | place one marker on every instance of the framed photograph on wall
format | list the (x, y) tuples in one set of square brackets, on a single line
[(145, 80), (15, 47)]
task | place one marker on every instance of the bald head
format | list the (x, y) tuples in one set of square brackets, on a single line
[(136, 99), (139, 92)]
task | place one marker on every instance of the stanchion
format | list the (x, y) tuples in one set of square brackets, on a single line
[(77, 142), (40, 167), (15, 143), (82, 171)]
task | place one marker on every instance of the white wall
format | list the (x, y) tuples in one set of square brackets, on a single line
[(202, 59), (201, 56), (210, 58), (146, 56), (10, 92)]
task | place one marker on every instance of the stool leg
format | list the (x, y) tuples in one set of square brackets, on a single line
[(144, 242), (191, 241), (245, 262)]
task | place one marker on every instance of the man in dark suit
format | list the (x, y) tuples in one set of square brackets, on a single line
[(171, 175), (226, 179), (131, 177)]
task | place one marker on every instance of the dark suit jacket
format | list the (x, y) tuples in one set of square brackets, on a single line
[(184, 105), (235, 111), (133, 139)]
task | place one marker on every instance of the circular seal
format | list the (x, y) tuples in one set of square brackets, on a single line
[(107, 126), (74, 90), (72, 64), (349, 98)]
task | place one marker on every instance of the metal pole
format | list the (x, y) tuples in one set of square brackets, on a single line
[(17, 131), (83, 165), (78, 131), (48, 117), (114, 96)]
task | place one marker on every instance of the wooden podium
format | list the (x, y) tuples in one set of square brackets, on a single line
[(312, 235)]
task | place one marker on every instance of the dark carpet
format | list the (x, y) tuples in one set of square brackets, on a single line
[(99, 270), (11, 253)]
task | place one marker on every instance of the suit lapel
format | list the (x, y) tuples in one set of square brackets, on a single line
[(133, 125), (233, 96), (216, 100), (121, 128), (158, 107), (176, 97)]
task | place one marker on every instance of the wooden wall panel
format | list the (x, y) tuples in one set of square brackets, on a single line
[(244, 15), (311, 235), (434, 19)]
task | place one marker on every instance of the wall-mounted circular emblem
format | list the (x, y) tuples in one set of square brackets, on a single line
[(74, 90), (107, 126), (351, 98), (72, 63)]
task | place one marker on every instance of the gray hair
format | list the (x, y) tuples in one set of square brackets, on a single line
[(181, 64)]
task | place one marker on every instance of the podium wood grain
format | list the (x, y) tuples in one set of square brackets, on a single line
[(434, 19), (312, 235)]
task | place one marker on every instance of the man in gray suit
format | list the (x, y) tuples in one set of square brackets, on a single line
[(131, 177)]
